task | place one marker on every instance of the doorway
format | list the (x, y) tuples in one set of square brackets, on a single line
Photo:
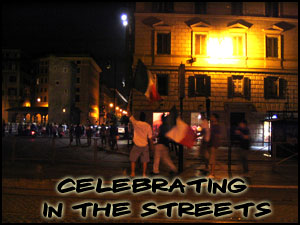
[(235, 118)]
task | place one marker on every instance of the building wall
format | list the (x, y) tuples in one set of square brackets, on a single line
[(218, 23), (16, 76)]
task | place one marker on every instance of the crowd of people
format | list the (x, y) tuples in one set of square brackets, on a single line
[(142, 140)]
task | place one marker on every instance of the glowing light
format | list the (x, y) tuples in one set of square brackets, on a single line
[(124, 17), (64, 110), (124, 112), (111, 105), (27, 104), (121, 110), (220, 50), (117, 108), (38, 100), (125, 23), (274, 116)]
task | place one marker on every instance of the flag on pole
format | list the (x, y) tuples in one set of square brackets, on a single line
[(144, 82), (178, 130)]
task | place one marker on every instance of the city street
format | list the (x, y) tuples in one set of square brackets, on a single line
[(32, 179)]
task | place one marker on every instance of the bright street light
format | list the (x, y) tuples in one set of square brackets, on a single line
[(124, 17), (125, 23)]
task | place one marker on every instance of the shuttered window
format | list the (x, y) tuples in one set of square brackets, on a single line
[(199, 86), (275, 88), (239, 86), (162, 84)]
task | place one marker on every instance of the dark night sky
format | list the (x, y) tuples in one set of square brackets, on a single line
[(42, 27)]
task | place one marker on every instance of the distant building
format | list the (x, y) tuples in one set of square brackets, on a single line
[(16, 81), (65, 90), (240, 58)]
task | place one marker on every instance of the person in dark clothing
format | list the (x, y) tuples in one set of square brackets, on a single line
[(78, 133), (71, 133), (162, 149), (243, 138), (103, 135), (113, 136), (214, 142), (89, 132)]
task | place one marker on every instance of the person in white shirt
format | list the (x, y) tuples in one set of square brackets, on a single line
[(142, 137)]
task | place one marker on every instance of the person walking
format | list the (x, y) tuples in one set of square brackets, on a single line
[(214, 142), (161, 150), (78, 133), (141, 138), (204, 148), (243, 138)]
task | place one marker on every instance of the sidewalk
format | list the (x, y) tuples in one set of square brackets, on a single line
[(33, 169)]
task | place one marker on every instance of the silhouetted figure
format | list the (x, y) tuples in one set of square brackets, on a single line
[(243, 138), (78, 133)]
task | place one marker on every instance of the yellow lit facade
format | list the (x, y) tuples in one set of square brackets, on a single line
[(245, 62)]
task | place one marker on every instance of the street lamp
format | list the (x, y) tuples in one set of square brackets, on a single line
[(111, 105), (124, 20), (38, 100)]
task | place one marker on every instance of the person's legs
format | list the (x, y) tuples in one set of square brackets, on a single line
[(157, 149), (144, 168), (165, 156), (212, 160), (132, 174)]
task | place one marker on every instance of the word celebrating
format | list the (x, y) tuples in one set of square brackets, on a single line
[(118, 209), (68, 185)]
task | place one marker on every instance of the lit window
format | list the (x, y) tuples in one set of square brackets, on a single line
[(272, 47), (200, 44), (237, 44), (275, 88), (199, 85), (239, 86)]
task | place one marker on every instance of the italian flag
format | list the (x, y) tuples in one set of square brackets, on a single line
[(178, 130), (144, 82)]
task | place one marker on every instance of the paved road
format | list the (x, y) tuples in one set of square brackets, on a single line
[(26, 185)]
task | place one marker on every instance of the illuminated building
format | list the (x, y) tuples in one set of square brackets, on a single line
[(242, 56)]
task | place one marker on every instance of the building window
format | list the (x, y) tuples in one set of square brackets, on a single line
[(200, 44), (199, 86), (162, 84), (45, 98), (163, 43), (12, 92), (42, 80), (12, 79), (238, 47), (78, 80), (162, 7), (46, 80), (272, 47), (272, 9), (239, 86), (200, 7), (77, 89), (41, 89), (78, 62), (237, 8), (57, 83), (78, 70), (37, 81), (275, 88), (65, 69), (77, 98), (45, 89)]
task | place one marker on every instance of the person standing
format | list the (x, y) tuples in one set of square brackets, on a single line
[(161, 151), (141, 138), (113, 133), (78, 132), (102, 135), (214, 143), (243, 137), (89, 132), (71, 133)]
